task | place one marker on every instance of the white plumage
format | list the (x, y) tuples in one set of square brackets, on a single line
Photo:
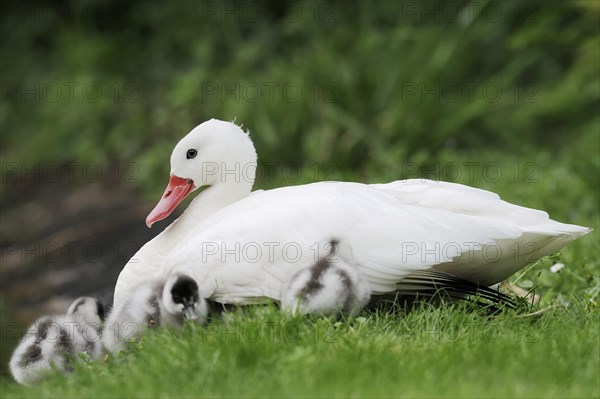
[(54, 342), (242, 248), (154, 304)]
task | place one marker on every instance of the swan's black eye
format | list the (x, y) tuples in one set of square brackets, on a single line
[(191, 153)]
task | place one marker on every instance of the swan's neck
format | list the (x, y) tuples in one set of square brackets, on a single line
[(208, 202)]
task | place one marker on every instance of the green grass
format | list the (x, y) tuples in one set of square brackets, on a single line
[(429, 352), (452, 351)]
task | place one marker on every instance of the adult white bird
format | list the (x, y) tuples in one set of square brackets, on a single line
[(243, 248)]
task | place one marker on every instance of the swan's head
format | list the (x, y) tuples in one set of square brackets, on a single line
[(213, 153), (181, 297)]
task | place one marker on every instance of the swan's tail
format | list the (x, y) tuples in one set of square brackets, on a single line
[(432, 284), (557, 229), (511, 255)]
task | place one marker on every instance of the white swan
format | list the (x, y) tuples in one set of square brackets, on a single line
[(244, 248)]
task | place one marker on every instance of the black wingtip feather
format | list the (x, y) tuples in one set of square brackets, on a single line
[(433, 283)]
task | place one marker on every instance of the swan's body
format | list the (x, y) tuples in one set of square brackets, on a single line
[(246, 251), (53, 342), (388, 233), (152, 304)]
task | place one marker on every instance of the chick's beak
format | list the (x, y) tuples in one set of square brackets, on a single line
[(190, 313)]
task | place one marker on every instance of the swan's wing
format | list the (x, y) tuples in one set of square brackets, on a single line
[(540, 236), (461, 199), (415, 238), (387, 233)]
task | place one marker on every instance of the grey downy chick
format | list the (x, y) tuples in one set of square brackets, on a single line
[(331, 287), (154, 304), (53, 342)]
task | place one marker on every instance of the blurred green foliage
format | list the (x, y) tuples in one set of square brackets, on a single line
[(377, 88), (367, 85)]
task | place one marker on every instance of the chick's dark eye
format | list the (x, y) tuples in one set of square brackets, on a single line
[(191, 153)]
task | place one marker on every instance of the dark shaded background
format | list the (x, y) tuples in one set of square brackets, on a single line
[(96, 94)]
